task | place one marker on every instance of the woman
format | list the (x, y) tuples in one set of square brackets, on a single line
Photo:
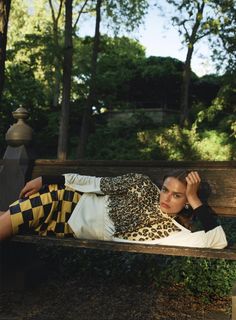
[(128, 208)]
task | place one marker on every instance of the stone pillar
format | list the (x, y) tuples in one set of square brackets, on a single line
[(17, 161)]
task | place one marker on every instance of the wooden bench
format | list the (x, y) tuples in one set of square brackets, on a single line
[(221, 177)]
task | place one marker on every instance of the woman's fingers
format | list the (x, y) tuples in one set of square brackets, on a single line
[(27, 194), (31, 187), (23, 192), (193, 180), (193, 177)]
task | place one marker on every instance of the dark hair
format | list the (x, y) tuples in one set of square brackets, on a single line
[(178, 174)]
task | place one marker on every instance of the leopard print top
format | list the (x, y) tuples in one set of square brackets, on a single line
[(133, 206)]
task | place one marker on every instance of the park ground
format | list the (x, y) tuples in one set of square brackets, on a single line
[(90, 291)]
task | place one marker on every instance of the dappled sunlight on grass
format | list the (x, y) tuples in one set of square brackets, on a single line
[(175, 143)]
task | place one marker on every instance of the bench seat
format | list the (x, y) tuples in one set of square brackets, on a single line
[(227, 253)]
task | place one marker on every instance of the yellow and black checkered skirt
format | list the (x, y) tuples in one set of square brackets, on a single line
[(45, 213)]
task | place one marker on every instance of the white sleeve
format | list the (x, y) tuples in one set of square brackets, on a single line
[(83, 183), (214, 239)]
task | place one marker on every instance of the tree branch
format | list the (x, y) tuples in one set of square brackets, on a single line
[(80, 12), (54, 18), (203, 35), (52, 10)]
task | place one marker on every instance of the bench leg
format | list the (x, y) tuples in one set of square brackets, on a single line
[(9, 273), (20, 267), (234, 302)]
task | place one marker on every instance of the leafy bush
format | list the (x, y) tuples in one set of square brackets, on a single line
[(135, 138), (117, 140), (214, 145), (207, 278)]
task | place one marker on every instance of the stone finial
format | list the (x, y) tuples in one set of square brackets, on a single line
[(19, 133)]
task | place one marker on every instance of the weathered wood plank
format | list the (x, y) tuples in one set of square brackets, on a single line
[(219, 175), (228, 253)]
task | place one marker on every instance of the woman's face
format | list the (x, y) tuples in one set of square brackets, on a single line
[(172, 196)]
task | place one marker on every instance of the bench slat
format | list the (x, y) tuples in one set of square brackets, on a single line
[(221, 175), (228, 253)]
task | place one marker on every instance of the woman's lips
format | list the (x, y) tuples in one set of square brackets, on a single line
[(165, 205)]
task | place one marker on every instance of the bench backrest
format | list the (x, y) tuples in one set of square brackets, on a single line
[(219, 178)]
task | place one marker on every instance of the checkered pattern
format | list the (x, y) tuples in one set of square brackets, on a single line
[(45, 213)]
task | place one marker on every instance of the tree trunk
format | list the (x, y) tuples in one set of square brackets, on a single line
[(66, 80), (4, 17), (56, 83), (84, 132), (57, 65), (184, 109), (184, 116)]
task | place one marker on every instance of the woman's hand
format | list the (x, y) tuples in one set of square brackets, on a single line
[(31, 187), (193, 181)]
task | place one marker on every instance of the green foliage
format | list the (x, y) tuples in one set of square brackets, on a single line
[(195, 19), (116, 69), (125, 14), (132, 139), (224, 46), (205, 89), (153, 80), (175, 143), (125, 79), (27, 90), (207, 279), (220, 119), (118, 139)]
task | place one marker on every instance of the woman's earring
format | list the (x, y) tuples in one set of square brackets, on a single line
[(187, 206)]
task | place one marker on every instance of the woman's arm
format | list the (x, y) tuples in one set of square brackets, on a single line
[(206, 216), (105, 185), (72, 180), (201, 211), (82, 183)]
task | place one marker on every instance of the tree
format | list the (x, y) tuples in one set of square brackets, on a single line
[(92, 88), (56, 61), (153, 81), (4, 17), (128, 13), (35, 40), (56, 13), (195, 21), (125, 77), (67, 69), (224, 46)]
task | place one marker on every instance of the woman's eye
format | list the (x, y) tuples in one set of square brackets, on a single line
[(163, 189), (177, 196)]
